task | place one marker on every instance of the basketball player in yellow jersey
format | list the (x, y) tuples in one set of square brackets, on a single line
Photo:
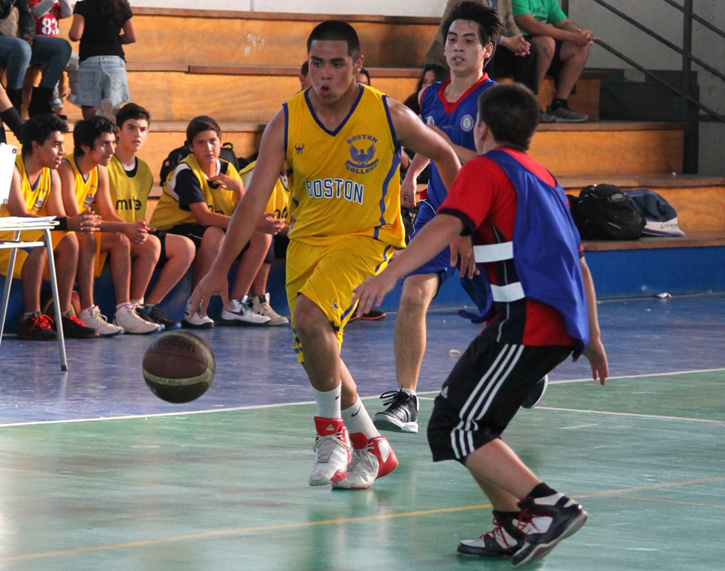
[(84, 184), (342, 141), (35, 191), (129, 182)]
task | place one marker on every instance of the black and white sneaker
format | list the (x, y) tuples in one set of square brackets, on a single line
[(536, 393), (545, 522), (503, 540), (153, 314), (401, 414)]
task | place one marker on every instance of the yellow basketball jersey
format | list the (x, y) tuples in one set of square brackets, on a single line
[(279, 200), (346, 182), (168, 213), (34, 196), (86, 186), (129, 190)]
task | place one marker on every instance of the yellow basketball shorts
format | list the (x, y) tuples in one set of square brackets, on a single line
[(327, 275), (28, 236)]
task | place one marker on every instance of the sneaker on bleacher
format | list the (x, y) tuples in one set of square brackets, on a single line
[(566, 115)]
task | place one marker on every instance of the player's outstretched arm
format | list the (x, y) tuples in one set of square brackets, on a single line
[(246, 215), (434, 236), (414, 135), (594, 351)]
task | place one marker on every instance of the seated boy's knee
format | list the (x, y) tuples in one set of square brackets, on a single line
[(86, 241), (212, 238), (68, 245)]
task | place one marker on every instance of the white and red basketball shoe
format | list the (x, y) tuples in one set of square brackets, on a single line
[(372, 458)]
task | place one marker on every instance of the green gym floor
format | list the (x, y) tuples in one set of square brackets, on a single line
[(97, 474)]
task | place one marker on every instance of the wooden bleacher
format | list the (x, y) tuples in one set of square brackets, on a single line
[(240, 66)]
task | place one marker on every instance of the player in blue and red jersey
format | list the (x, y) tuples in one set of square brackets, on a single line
[(449, 108), (544, 309)]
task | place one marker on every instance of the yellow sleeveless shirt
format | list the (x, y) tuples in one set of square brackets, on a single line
[(168, 213), (346, 182), (34, 197), (278, 202), (86, 187), (129, 194)]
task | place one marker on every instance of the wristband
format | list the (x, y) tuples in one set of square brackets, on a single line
[(62, 223)]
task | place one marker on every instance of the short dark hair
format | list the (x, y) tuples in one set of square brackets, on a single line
[(511, 112), (86, 131), (131, 111), (366, 73), (336, 31), (440, 73), (305, 68), (490, 25), (199, 125), (38, 129)]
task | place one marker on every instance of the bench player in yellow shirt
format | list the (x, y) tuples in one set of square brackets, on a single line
[(35, 191)]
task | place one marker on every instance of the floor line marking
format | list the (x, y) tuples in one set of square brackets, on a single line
[(338, 521), (263, 406), (635, 415)]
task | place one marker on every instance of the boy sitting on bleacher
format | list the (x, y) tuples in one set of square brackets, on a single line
[(35, 191)]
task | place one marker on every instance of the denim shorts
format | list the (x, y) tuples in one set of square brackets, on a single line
[(102, 77)]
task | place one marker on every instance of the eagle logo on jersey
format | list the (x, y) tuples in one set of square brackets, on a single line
[(362, 154), (299, 148)]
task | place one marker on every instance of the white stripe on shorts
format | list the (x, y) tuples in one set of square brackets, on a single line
[(480, 399)]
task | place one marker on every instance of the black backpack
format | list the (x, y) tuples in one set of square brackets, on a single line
[(604, 212), (180, 153)]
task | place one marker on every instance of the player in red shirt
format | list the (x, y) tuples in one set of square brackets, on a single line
[(544, 310)]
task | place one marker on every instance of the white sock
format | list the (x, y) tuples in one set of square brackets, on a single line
[(408, 391), (328, 402), (357, 419)]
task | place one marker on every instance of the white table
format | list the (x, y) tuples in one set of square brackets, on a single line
[(17, 225)]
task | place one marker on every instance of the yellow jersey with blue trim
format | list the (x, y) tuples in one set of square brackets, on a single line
[(188, 184), (35, 194), (345, 182), (278, 203), (86, 186), (129, 188)]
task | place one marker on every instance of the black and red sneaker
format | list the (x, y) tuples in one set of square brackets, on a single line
[(545, 522), (74, 328), (37, 328), (503, 540)]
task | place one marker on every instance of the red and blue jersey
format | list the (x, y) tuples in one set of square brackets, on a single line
[(508, 200), (456, 119)]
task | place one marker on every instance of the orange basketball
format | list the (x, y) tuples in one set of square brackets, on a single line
[(178, 366)]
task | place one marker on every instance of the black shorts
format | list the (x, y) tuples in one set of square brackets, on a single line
[(161, 235), (192, 230), (195, 233), (483, 392), (555, 65)]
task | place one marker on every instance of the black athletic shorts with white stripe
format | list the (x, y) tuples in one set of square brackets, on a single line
[(483, 392)]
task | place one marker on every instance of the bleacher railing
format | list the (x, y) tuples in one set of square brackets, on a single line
[(685, 89)]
